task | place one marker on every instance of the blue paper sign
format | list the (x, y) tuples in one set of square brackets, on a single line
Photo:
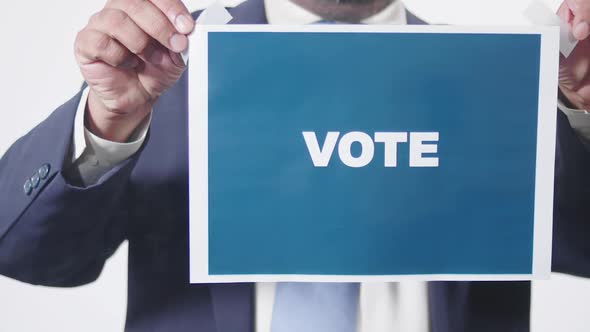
[(360, 153)]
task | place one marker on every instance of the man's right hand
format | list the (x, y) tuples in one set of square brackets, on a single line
[(129, 55)]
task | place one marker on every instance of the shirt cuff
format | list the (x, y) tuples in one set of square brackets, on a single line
[(579, 121), (105, 152)]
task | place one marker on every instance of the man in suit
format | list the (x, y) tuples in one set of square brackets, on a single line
[(111, 164)]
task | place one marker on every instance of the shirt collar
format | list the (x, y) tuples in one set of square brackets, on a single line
[(285, 12)]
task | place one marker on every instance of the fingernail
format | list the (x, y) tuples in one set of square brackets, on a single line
[(154, 55), (130, 62), (178, 42), (184, 23), (581, 30)]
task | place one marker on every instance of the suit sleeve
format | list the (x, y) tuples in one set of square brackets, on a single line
[(51, 232), (571, 212)]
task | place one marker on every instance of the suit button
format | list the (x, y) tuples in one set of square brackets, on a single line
[(35, 179), (28, 187), (44, 171)]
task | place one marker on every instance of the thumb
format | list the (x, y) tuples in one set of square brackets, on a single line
[(580, 28), (576, 13)]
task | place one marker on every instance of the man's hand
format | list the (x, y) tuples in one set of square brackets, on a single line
[(129, 55), (574, 71)]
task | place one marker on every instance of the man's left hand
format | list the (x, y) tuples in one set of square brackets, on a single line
[(574, 71)]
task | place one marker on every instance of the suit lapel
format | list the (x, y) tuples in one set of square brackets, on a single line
[(413, 19)]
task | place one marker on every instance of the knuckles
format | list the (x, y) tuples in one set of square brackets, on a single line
[(102, 43), (94, 18), (99, 46), (115, 55), (142, 45), (77, 46), (161, 28), (80, 43), (115, 18), (132, 7), (108, 18), (115, 22)]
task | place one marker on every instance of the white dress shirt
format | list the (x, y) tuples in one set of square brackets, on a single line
[(93, 156), (383, 307)]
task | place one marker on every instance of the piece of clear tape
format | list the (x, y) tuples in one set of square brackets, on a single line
[(539, 13), (214, 14)]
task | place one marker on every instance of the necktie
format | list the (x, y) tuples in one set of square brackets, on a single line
[(315, 307)]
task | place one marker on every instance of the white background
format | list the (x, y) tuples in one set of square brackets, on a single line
[(39, 73)]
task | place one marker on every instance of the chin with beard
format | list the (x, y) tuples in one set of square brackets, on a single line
[(352, 11)]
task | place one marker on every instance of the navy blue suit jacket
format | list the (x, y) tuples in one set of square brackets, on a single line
[(60, 235)]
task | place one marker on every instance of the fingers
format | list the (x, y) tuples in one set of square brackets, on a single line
[(118, 25), (565, 13), (177, 13), (580, 10), (127, 29), (153, 22), (580, 28), (93, 45)]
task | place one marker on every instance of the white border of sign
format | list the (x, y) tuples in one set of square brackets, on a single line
[(198, 151)]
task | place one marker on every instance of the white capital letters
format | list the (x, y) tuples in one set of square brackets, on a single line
[(390, 141), (320, 157), (367, 149), (417, 148)]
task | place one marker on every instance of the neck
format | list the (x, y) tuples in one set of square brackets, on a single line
[(352, 11)]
